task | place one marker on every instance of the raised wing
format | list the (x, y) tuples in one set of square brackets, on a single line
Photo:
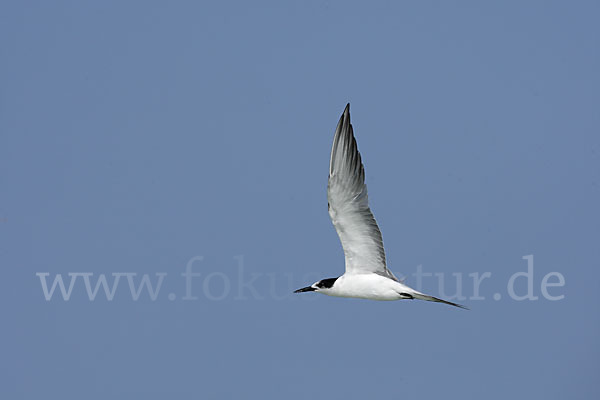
[(349, 205)]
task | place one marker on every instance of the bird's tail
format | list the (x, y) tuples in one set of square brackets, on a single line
[(422, 296)]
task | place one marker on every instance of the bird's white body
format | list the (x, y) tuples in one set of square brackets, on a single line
[(367, 275), (368, 286)]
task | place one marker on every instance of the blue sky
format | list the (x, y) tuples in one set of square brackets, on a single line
[(142, 137)]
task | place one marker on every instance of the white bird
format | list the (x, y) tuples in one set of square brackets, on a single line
[(366, 276)]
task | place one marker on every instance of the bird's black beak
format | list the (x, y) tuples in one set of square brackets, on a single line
[(305, 289)]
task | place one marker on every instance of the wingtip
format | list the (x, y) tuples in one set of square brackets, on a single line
[(346, 114)]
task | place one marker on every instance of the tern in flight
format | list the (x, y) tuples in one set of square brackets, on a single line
[(366, 276)]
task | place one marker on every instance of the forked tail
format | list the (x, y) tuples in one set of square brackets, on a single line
[(422, 296)]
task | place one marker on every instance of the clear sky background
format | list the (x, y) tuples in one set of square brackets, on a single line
[(135, 136)]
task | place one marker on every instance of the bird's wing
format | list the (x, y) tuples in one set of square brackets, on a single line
[(349, 205)]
